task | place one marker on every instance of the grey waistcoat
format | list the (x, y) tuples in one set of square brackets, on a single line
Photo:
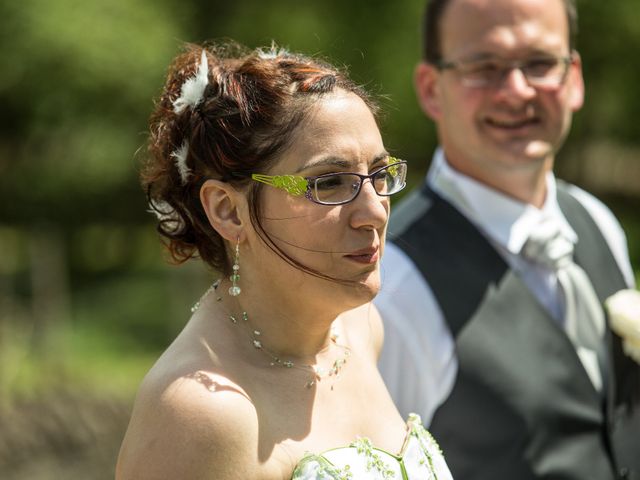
[(522, 406)]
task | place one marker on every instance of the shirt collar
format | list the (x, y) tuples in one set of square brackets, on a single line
[(506, 221)]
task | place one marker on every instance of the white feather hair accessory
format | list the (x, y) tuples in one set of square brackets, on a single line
[(180, 157), (167, 214), (192, 89), (272, 52)]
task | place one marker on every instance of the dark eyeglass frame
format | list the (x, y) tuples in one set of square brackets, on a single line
[(506, 67), (307, 186)]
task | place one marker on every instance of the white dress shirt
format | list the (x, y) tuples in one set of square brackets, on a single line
[(418, 360)]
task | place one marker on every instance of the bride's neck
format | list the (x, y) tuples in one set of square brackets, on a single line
[(288, 326)]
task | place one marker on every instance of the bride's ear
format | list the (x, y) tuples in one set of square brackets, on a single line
[(225, 207)]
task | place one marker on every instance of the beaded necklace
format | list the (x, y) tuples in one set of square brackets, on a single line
[(317, 372)]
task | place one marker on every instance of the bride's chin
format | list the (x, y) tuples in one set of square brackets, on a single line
[(365, 291), (352, 292)]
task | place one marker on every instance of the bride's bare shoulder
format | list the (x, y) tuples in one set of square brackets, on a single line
[(191, 424)]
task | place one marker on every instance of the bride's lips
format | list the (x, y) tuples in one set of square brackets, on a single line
[(365, 256)]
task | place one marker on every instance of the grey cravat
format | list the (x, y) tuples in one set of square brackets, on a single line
[(584, 320)]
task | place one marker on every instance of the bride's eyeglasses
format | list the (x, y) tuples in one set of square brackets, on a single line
[(341, 187)]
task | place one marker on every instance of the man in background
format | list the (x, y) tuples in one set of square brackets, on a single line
[(494, 283)]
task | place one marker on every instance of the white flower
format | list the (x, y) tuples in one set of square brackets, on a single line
[(624, 312), (193, 88)]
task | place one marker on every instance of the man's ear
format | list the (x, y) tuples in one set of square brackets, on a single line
[(425, 83), (576, 83), (225, 207)]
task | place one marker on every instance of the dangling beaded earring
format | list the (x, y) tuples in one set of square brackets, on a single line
[(235, 290)]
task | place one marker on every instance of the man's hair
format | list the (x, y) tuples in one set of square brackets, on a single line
[(433, 16)]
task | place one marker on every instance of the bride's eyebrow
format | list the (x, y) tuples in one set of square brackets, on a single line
[(340, 162), (327, 161), (379, 157)]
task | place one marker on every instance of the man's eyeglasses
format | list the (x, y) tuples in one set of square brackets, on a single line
[(541, 71), (342, 187)]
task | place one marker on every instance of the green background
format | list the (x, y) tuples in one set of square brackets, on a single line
[(87, 301)]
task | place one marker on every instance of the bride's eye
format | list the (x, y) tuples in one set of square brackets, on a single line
[(330, 182)]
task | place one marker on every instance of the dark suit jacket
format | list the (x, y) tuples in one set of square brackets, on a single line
[(522, 406)]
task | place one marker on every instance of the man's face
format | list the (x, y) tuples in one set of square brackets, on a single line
[(513, 123)]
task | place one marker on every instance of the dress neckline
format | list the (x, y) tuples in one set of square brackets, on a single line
[(413, 421), (420, 457)]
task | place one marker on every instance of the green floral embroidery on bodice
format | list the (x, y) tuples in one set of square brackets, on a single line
[(421, 458)]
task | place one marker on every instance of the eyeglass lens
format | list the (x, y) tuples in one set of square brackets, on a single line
[(343, 187), (544, 71)]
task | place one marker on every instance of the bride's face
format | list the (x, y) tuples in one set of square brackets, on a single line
[(345, 241)]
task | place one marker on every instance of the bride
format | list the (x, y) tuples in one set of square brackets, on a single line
[(269, 166)]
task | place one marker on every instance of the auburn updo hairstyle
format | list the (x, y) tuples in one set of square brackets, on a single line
[(247, 115)]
